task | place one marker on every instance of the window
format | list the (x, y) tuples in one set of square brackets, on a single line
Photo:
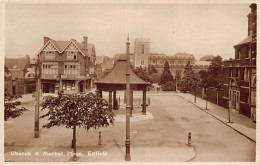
[(230, 72), (238, 72), (246, 74), (49, 55), (142, 62), (142, 49), (71, 69), (49, 68), (238, 54), (72, 55)]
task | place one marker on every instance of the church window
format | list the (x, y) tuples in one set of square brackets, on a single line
[(142, 49)]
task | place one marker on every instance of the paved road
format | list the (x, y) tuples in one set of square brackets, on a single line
[(212, 140), (162, 138)]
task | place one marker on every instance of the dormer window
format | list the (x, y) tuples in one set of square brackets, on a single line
[(71, 55), (49, 55)]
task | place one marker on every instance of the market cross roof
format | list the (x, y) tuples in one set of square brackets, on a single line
[(118, 75)]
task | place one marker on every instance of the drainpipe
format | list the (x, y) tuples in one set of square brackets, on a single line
[(250, 76)]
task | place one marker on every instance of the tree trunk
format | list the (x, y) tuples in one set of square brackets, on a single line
[(74, 141), (206, 99), (195, 95)]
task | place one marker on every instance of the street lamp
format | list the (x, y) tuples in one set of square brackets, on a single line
[(37, 98), (128, 108)]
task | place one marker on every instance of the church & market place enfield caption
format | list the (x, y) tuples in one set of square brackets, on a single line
[(68, 153)]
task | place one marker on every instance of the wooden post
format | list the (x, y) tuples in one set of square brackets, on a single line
[(114, 100), (206, 99), (110, 101), (144, 102), (100, 92), (128, 108)]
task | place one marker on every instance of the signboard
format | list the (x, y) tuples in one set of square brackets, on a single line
[(49, 76)]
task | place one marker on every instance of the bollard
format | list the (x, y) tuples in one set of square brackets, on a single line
[(189, 139), (99, 139)]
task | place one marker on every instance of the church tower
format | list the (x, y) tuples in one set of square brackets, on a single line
[(142, 51)]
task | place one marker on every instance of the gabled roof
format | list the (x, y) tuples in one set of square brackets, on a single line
[(62, 45), (118, 75), (15, 63), (244, 41)]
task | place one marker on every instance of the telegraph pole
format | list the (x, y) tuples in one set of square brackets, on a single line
[(37, 99), (128, 108)]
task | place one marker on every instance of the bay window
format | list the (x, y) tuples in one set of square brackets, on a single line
[(49, 68), (49, 55), (71, 69), (72, 55)]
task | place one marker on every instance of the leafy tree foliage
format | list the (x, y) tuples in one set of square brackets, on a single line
[(156, 77), (204, 79), (143, 74), (77, 110), (168, 86), (12, 109), (178, 78), (215, 73), (207, 58), (151, 69), (166, 74), (190, 78)]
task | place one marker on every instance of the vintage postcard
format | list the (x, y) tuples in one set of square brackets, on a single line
[(129, 81)]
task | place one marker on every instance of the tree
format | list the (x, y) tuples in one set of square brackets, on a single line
[(195, 83), (151, 69), (207, 58), (12, 109), (143, 74), (188, 78), (166, 74), (77, 110), (178, 78), (215, 73), (204, 82), (168, 86)]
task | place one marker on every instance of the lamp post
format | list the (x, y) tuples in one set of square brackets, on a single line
[(37, 99), (128, 108)]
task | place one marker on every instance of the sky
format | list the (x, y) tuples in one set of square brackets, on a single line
[(199, 29)]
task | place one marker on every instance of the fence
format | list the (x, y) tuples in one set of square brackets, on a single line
[(214, 95)]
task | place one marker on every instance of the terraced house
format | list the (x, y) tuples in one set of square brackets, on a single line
[(66, 65), (240, 73)]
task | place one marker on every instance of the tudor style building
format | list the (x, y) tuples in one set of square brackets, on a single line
[(240, 73), (66, 65)]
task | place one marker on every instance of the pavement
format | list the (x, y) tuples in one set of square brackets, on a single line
[(149, 142), (239, 123), (155, 137)]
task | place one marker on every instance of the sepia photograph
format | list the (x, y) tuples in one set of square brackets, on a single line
[(129, 81)]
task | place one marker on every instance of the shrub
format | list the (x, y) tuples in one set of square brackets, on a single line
[(168, 86)]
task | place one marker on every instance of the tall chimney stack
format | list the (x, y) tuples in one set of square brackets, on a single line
[(85, 42), (45, 39)]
